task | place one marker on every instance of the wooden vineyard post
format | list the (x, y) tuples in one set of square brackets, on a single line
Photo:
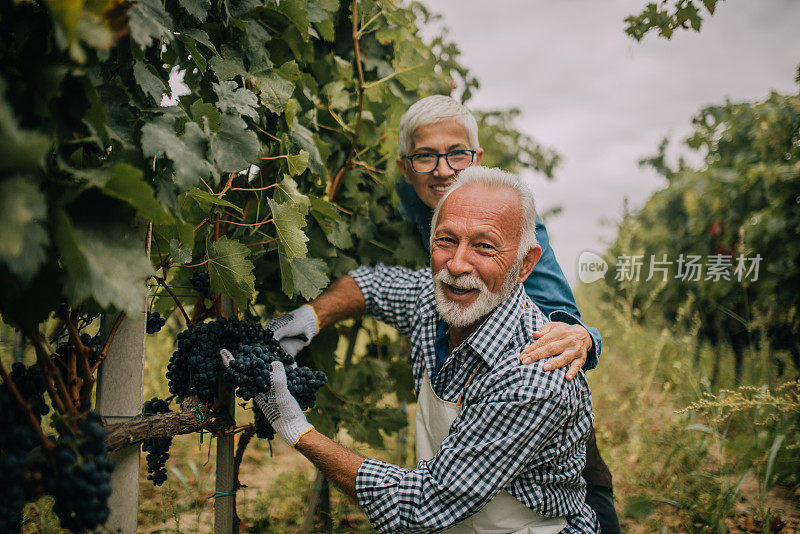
[(225, 498), (120, 382)]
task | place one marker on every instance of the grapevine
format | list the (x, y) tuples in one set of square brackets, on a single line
[(154, 322)]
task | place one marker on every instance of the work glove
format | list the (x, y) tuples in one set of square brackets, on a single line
[(294, 330), (278, 406), (281, 409)]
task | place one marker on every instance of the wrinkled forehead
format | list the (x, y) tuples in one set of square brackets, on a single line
[(475, 206)]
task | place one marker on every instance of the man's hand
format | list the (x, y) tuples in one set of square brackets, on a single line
[(282, 410), (294, 330), (570, 343)]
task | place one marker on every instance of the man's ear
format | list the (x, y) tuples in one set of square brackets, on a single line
[(401, 164), (478, 156), (529, 262)]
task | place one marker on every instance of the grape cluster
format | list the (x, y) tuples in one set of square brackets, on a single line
[(94, 344), (249, 373), (154, 322), (81, 485), (157, 449), (16, 440), (30, 383), (195, 368), (201, 283)]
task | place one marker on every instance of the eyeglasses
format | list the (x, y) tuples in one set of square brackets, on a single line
[(426, 162)]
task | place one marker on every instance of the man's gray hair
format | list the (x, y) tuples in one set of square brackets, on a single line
[(433, 109), (492, 177)]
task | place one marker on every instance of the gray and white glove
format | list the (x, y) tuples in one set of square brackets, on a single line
[(294, 330), (281, 409)]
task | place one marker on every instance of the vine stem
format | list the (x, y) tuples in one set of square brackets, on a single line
[(48, 370), (163, 283), (253, 188), (195, 265), (107, 344), (348, 163), (47, 445)]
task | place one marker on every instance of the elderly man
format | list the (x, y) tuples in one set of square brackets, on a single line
[(501, 444), (438, 138)]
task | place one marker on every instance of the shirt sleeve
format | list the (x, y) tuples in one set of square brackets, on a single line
[(391, 293), (490, 443), (548, 289)]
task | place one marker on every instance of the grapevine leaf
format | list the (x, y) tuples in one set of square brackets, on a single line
[(125, 182), (236, 99), (230, 271), (336, 229), (23, 237), (149, 21), (296, 12), (201, 37), (187, 153), (19, 149), (148, 81), (198, 58), (205, 199), (304, 138), (309, 276), (286, 191), (408, 251), (181, 255), (297, 163), (256, 39), (229, 65), (289, 222), (105, 262), (239, 8), (290, 70), (274, 91), (234, 147), (196, 8)]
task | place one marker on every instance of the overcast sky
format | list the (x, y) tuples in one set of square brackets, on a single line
[(604, 101)]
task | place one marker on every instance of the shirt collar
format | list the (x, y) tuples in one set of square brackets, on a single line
[(492, 337)]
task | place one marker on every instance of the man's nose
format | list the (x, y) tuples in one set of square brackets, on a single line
[(459, 263)]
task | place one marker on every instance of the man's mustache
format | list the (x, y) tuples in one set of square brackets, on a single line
[(462, 281)]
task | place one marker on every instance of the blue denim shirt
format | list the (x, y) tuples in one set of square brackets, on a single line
[(546, 286)]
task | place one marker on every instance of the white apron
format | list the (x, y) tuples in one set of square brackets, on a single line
[(503, 514)]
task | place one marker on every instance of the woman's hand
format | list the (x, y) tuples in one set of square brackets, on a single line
[(569, 343)]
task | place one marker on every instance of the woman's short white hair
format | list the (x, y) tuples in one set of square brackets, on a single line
[(492, 177), (433, 109)]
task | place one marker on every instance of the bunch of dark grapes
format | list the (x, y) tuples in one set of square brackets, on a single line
[(157, 449), (30, 383), (201, 283), (16, 440), (195, 368), (249, 373), (154, 322), (81, 484)]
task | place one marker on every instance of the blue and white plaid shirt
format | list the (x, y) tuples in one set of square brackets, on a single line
[(521, 429)]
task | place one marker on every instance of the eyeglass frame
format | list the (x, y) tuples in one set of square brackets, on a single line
[(438, 158)]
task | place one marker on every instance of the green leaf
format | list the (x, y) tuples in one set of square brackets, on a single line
[(297, 163), (239, 8), (188, 153), (336, 229), (149, 21), (290, 70), (274, 91), (289, 221), (181, 255), (20, 149), (236, 99), (198, 58), (206, 199), (201, 37), (200, 110), (292, 109), (286, 191), (148, 80), (105, 262), (304, 276), (296, 12), (23, 236), (304, 138), (230, 271), (234, 147), (126, 182), (196, 8), (229, 65), (409, 251)]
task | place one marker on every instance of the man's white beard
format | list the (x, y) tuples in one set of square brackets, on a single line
[(456, 315)]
